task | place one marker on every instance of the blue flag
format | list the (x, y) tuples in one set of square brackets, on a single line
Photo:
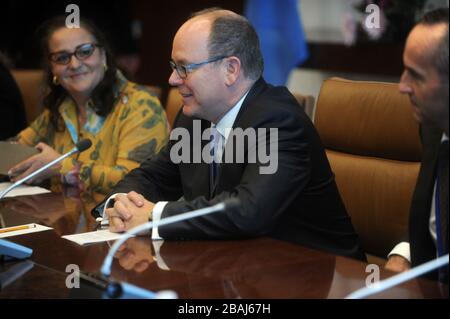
[(280, 31)]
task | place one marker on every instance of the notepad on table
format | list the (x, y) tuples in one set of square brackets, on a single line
[(98, 236), (23, 190)]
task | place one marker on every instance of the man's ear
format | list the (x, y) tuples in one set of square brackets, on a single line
[(233, 70)]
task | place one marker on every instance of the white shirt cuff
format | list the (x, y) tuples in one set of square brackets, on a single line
[(159, 260), (403, 250), (156, 217)]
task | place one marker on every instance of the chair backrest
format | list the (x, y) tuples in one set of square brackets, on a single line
[(173, 105), (31, 87), (373, 145), (306, 102)]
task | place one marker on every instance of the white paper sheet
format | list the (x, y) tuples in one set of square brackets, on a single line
[(33, 228), (98, 236), (23, 190)]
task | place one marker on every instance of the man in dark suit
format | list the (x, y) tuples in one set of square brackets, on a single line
[(217, 67), (425, 80)]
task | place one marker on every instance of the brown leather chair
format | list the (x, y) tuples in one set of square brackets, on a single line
[(372, 143), (31, 86), (173, 105)]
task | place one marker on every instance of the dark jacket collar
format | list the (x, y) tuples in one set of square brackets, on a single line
[(258, 87)]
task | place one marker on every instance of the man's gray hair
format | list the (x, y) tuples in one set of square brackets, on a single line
[(233, 35), (440, 55)]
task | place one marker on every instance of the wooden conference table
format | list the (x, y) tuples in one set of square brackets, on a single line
[(257, 268)]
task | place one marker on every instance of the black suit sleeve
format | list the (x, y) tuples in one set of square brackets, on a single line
[(156, 179)]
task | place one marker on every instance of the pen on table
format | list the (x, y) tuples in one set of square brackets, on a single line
[(9, 229)]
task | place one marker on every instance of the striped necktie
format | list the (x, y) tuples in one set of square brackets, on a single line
[(216, 153)]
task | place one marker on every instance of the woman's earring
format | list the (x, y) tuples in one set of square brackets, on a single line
[(105, 67), (55, 80)]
